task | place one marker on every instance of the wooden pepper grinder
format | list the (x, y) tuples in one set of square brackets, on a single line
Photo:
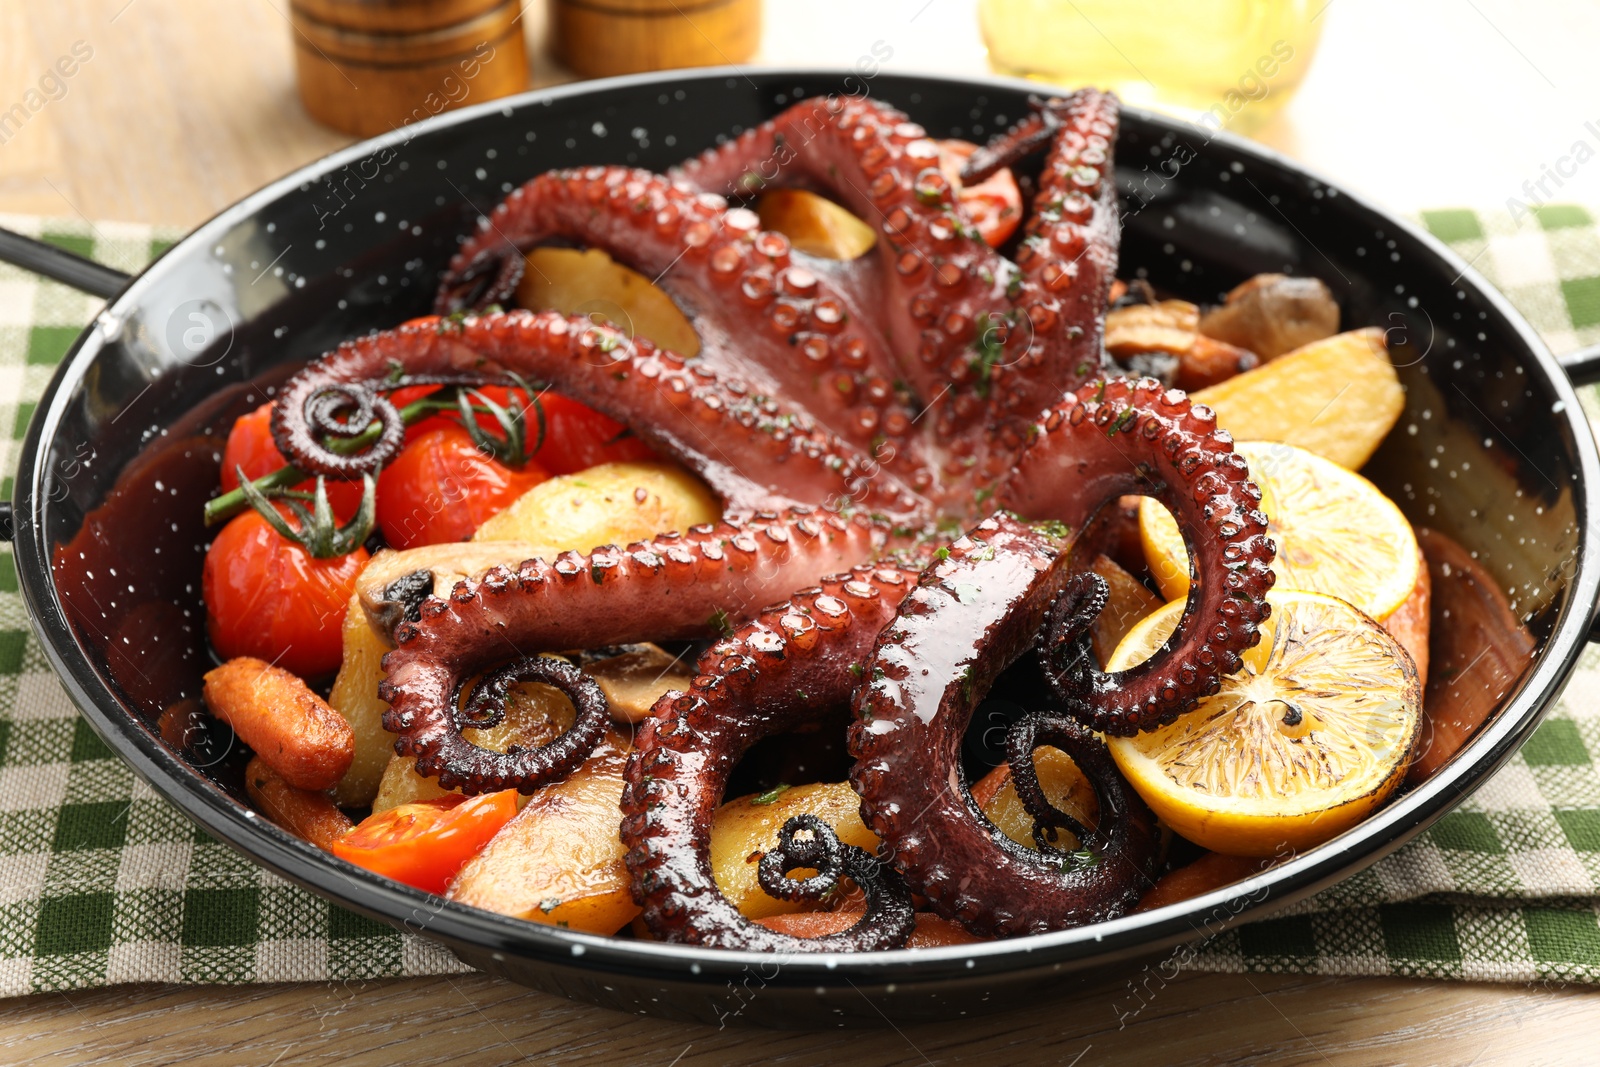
[(598, 38), (369, 66)]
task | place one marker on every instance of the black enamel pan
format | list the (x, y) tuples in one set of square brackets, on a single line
[(121, 454)]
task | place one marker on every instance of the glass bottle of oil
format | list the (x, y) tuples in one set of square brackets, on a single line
[(1228, 64)]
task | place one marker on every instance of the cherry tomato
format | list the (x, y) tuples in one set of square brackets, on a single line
[(994, 205), (577, 436), (250, 446), (441, 488), (268, 597), (426, 843)]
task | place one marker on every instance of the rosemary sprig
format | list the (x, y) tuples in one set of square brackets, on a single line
[(319, 532)]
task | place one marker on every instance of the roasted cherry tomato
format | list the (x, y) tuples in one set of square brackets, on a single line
[(441, 488), (426, 843), (250, 446), (268, 597), (994, 205), (577, 436)]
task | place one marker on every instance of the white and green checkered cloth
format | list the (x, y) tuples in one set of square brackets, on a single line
[(101, 881)]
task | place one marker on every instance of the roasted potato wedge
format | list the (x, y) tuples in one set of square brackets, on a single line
[(611, 504), (576, 282), (355, 696), (559, 861), (1173, 326), (744, 829), (1338, 397), (815, 224)]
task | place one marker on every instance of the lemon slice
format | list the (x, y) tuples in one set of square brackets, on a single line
[(1336, 532), (1311, 734)]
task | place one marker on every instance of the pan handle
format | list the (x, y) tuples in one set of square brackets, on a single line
[(1582, 366), (82, 274)]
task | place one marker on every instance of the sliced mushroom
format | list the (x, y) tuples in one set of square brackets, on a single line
[(634, 677), (394, 583), (1271, 314)]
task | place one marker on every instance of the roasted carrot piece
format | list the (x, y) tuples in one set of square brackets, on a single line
[(294, 731), (311, 816)]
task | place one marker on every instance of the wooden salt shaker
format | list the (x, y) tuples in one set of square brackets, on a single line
[(369, 66), (598, 38)]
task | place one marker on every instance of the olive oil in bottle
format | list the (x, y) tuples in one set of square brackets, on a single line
[(1228, 64)]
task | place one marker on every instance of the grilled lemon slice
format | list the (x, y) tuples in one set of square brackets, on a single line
[(1336, 532), (1300, 744)]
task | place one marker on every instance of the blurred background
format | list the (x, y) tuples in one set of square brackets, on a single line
[(181, 107)]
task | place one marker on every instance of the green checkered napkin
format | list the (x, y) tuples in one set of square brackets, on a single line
[(101, 881)]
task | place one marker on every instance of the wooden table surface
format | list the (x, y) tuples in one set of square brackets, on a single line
[(184, 107)]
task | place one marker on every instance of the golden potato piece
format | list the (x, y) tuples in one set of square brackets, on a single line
[(576, 282), (1172, 326), (355, 696), (1337, 397), (1166, 326), (401, 784), (744, 829), (1063, 784), (814, 224), (447, 563), (610, 504), (559, 861)]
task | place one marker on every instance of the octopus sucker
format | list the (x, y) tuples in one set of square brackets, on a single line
[(845, 415)]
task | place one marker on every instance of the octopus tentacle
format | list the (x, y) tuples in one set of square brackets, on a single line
[(1068, 260), (758, 305), (1025, 137), (1026, 734), (888, 902), (971, 615), (1065, 639), (490, 275), (789, 666), (1120, 437), (754, 451), (674, 586), (441, 751)]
